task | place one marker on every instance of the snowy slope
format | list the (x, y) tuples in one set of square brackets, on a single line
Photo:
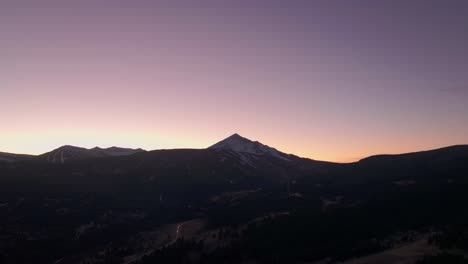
[(247, 149)]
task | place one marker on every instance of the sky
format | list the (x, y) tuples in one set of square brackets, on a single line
[(325, 79)]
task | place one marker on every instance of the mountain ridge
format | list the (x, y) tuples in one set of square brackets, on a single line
[(235, 144), (68, 152)]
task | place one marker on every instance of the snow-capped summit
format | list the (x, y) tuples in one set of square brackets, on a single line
[(239, 144), (67, 153)]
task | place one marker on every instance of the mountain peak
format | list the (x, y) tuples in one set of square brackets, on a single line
[(238, 144), (68, 147), (233, 142), (235, 135)]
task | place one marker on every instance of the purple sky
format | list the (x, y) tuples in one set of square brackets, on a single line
[(333, 80)]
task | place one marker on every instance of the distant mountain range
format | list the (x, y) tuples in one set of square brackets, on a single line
[(247, 151), (231, 164), (69, 153)]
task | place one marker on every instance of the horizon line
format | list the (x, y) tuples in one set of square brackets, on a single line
[(350, 160)]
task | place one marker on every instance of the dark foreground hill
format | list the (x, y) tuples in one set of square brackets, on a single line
[(238, 201)]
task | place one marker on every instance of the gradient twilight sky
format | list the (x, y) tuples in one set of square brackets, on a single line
[(325, 79)]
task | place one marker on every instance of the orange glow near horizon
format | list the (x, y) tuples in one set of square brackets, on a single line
[(38, 143)]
